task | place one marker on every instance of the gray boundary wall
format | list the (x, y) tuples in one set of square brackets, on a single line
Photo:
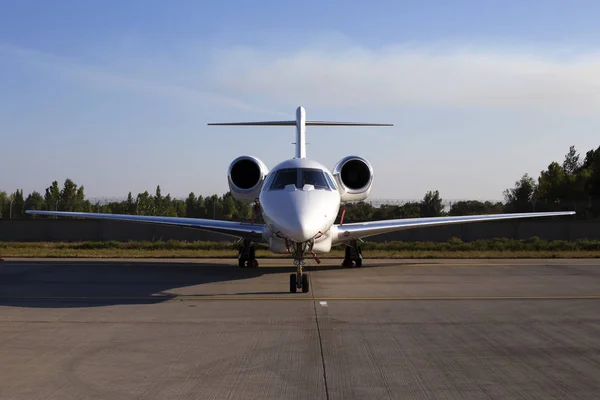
[(74, 230)]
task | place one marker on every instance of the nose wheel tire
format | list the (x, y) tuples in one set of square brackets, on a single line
[(305, 286), (293, 283), (296, 284)]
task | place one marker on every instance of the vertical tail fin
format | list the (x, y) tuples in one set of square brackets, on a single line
[(300, 132)]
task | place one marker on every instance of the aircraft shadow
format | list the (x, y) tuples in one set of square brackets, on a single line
[(73, 283)]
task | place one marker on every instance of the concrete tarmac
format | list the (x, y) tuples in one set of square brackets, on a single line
[(393, 329)]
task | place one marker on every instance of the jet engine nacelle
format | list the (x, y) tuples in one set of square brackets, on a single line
[(245, 176), (354, 176)]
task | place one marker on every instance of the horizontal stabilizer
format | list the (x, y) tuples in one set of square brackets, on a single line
[(293, 123), (300, 123)]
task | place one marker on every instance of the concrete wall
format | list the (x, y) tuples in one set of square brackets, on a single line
[(70, 230)]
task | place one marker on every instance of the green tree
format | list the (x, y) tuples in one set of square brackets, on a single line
[(18, 204), (131, 206), (168, 207), (591, 181), (145, 204), (431, 205), (200, 208), (571, 164), (563, 187), (357, 212), (409, 210), (179, 207), (467, 207), (384, 211), (35, 201), (229, 206), (190, 206), (552, 187), (158, 201), (474, 207), (244, 212), (213, 207), (52, 197), (68, 196), (3, 198), (521, 198)]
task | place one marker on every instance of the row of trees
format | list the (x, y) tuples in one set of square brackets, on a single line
[(71, 198), (574, 184)]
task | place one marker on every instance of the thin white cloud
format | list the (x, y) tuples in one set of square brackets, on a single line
[(326, 76), (156, 83), (426, 77)]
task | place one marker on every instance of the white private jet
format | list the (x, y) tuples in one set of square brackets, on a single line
[(299, 200)]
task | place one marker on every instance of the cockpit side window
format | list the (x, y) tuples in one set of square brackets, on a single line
[(267, 183), (284, 177), (330, 180)]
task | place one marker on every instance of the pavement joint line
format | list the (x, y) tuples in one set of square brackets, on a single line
[(305, 298), (324, 365), (416, 298)]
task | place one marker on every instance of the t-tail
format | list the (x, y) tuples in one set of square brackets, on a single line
[(301, 123)]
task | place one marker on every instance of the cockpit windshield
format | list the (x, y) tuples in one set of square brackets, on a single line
[(284, 177), (314, 177), (300, 177)]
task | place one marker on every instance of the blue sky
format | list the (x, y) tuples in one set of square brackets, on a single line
[(116, 94)]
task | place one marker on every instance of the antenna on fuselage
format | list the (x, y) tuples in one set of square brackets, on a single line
[(300, 124)]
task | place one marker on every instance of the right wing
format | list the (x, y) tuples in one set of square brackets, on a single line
[(360, 230), (230, 228)]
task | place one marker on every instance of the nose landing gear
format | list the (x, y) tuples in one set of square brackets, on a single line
[(299, 280)]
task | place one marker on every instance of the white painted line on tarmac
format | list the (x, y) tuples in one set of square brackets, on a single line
[(323, 303)]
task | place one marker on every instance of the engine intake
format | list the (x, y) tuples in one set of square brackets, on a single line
[(354, 176), (246, 175)]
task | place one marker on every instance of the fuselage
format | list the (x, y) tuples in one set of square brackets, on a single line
[(299, 203)]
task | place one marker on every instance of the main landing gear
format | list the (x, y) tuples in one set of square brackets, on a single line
[(299, 280), (353, 255), (247, 255)]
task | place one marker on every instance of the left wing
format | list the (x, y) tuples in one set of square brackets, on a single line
[(230, 228), (359, 230)]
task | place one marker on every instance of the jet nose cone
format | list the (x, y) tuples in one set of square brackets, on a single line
[(301, 228), (299, 215)]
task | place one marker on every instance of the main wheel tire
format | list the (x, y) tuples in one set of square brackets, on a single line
[(358, 262), (347, 253), (305, 285), (241, 262), (293, 283)]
